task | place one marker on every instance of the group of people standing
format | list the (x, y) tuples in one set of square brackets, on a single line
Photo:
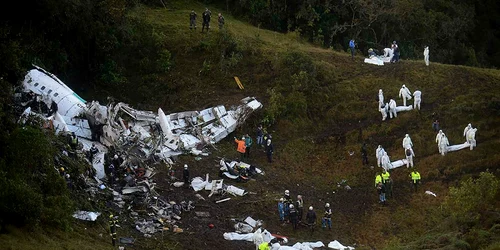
[(207, 15), (244, 145), (394, 51), (292, 212)]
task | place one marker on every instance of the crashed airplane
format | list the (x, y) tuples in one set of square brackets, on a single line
[(145, 134)]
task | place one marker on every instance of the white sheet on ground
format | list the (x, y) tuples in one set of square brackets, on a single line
[(85, 215), (404, 108), (308, 245), (198, 184), (374, 60), (336, 245), (398, 163), (237, 236)]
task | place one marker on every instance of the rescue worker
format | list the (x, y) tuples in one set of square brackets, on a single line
[(281, 210), (443, 144), (192, 20), (438, 137), (311, 218), (386, 162), (352, 46), (379, 153), (241, 146), (407, 142), (62, 172), (380, 96), (93, 151), (378, 179), (426, 55), (381, 192), (409, 156), (404, 93), (299, 204), (435, 126), (221, 21), (206, 19), (287, 200), (260, 136), (364, 154), (293, 216), (392, 108), (269, 151), (248, 145), (112, 228), (417, 95), (466, 129), (383, 110), (185, 174), (387, 181), (415, 178), (73, 141), (264, 246), (327, 217)]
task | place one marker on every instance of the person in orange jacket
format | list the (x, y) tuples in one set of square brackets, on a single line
[(241, 146)]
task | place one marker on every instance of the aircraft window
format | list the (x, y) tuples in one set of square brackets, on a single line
[(50, 91), (43, 87), (36, 84), (56, 94)]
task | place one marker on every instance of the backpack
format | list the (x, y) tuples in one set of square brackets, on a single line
[(408, 152)]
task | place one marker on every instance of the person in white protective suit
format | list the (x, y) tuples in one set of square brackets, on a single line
[(469, 126), (383, 110), (471, 137), (380, 98), (426, 55), (392, 109), (438, 137), (407, 142), (443, 144), (417, 95), (379, 152), (404, 93), (386, 162), (388, 52), (257, 238), (409, 157)]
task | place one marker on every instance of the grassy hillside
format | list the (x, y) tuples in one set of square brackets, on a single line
[(319, 105)]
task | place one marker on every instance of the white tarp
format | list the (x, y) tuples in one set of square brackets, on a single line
[(404, 108), (198, 184), (398, 163), (336, 245), (458, 147), (308, 245), (374, 60), (237, 236)]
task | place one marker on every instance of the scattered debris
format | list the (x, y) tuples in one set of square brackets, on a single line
[(223, 200), (202, 214), (430, 193), (85, 215), (336, 245)]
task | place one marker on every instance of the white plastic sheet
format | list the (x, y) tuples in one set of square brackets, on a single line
[(85, 215), (198, 184), (237, 236), (336, 245)]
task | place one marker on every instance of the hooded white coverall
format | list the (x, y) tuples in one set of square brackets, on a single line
[(443, 143), (404, 93), (438, 136), (383, 111), (380, 96), (426, 55), (386, 162), (407, 142), (418, 98), (469, 126), (392, 108), (379, 153), (471, 137), (409, 157)]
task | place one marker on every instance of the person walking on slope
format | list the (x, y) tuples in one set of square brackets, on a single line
[(311, 218), (112, 228), (248, 145), (327, 217), (387, 181), (293, 216), (378, 179), (192, 20), (392, 108), (269, 151), (185, 175), (352, 46), (281, 210), (407, 142), (415, 178), (417, 95), (241, 146), (299, 205), (395, 48), (260, 136), (381, 192), (287, 200), (206, 20), (409, 156), (435, 126), (426, 55), (364, 154), (221, 21), (379, 153), (405, 93)]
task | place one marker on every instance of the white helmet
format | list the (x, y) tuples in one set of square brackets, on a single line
[(287, 192), (282, 200), (311, 208), (404, 86), (185, 166), (291, 206), (327, 205), (116, 156)]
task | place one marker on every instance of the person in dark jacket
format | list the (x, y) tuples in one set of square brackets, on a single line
[(192, 20), (206, 20), (381, 192), (293, 216), (311, 218), (269, 151), (364, 154), (185, 174)]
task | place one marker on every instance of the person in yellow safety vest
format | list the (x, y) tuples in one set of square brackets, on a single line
[(264, 246), (387, 181), (415, 178), (112, 228), (241, 146), (378, 178)]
